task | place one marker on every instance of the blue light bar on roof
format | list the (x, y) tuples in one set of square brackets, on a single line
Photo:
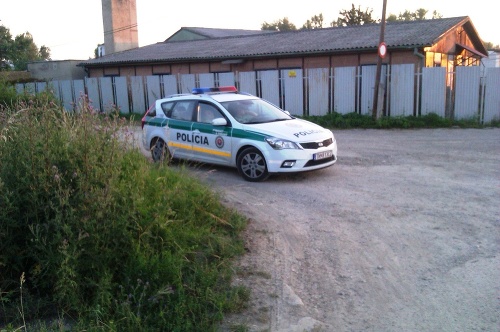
[(218, 89)]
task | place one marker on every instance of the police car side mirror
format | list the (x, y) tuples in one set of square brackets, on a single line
[(287, 113), (219, 122)]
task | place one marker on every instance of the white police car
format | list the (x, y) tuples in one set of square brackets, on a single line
[(224, 127)]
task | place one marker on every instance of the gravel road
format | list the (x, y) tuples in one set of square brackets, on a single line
[(402, 234)]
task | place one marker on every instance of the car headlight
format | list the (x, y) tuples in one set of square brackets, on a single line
[(280, 144)]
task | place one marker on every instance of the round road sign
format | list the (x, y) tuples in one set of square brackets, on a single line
[(382, 50)]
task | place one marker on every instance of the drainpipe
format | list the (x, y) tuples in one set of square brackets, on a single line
[(422, 63), (415, 52), (421, 56)]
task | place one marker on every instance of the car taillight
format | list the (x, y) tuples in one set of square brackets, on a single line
[(143, 120)]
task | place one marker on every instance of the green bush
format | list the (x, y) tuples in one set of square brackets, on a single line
[(355, 120), (9, 98), (101, 235), (8, 94)]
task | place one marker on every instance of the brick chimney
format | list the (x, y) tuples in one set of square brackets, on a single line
[(120, 25)]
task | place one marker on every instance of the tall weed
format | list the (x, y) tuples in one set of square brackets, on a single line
[(103, 236)]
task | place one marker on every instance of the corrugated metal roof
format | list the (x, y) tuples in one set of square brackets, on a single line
[(221, 33), (318, 41)]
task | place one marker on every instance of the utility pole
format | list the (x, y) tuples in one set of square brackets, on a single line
[(382, 49)]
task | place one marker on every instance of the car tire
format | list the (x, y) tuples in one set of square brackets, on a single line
[(252, 165), (159, 151)]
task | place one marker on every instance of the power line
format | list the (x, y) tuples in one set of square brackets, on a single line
[(121, 29)]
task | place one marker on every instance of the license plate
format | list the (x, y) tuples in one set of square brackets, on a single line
[(323, 155)]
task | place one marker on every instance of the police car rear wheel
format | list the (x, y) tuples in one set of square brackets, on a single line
[(159, 151), (252, 165)]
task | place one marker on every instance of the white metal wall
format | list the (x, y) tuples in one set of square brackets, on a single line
[(206, 79), (66, 94), (56, 90), (433, 91), (247, 82), (154, 91), (41, 86), (344, 90), (169, 85), (367, 83), (106, 94), (188, 82), (269, 85), (93, 92), (304, 92), (402, 90), (138, 96), (467, 92), (293, 86), (79, 90), (121, 92), (317, 88), (492, 95), (226, 79)]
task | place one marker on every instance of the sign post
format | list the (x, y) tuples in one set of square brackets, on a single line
[(382, 50)]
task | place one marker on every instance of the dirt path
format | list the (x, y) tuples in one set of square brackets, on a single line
[(402, 234)]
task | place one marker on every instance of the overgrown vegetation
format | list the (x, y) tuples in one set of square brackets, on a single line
[(354, 120), (94, 236)]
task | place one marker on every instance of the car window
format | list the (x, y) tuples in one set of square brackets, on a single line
[(167, 108), (207, 112), (183, 110), (254, 111)]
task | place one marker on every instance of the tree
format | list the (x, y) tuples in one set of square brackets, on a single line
[(418, 15), (354, 16), (316, 22), (20, 50), (490, 46), (5, 46), (44, 52), (280, 25), (391, 18), (435, 15), (408, 16)]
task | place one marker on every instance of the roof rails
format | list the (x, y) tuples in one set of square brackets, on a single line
[(178, 95), (219, 89)]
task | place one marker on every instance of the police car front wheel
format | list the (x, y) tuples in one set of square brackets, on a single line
[(252, 165)]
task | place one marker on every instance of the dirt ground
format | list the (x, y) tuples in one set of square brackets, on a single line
[(402, 234)]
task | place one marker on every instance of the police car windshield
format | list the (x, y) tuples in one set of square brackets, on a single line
[(252, 111)]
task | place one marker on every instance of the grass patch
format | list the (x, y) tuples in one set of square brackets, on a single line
[(94, 235), (354, 120)]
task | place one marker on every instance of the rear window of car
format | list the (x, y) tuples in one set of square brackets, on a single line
[(182, 110), (167, 108)]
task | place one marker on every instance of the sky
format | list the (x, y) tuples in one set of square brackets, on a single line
[(73, 29)]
